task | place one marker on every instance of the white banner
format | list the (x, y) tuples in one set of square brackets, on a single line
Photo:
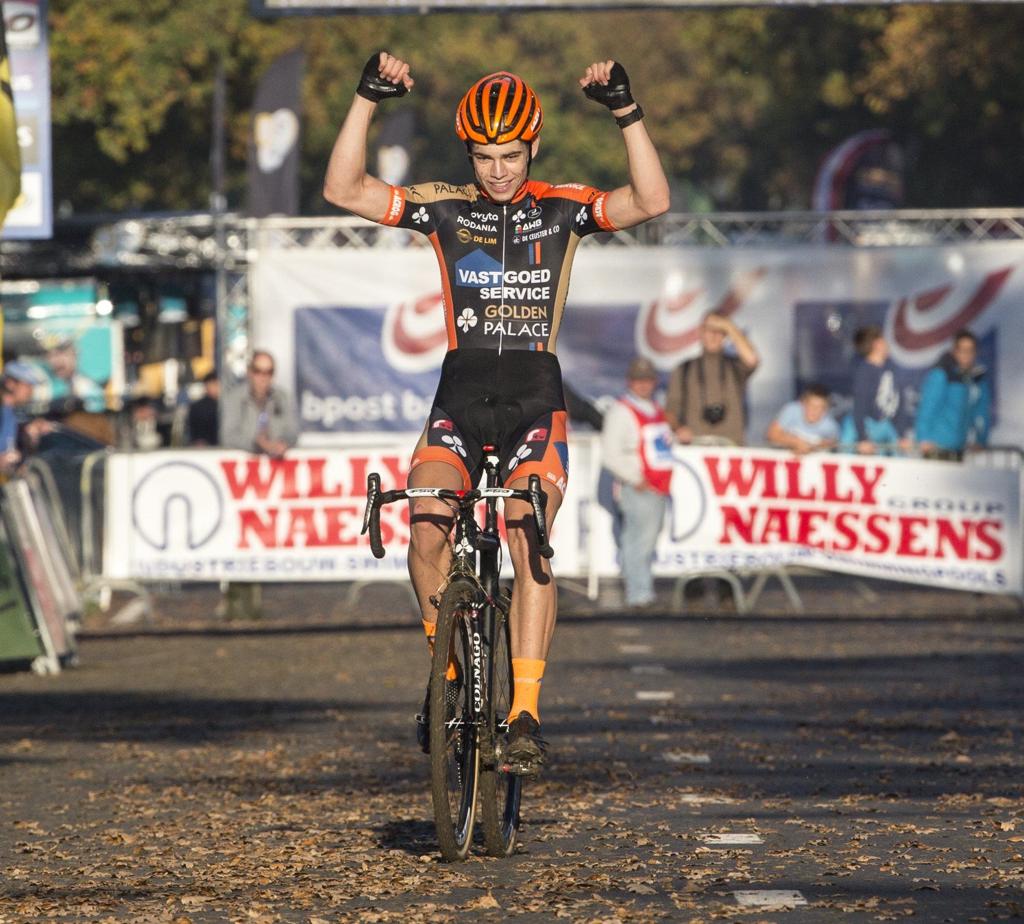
[(934, 523), (211, 515), (372, 331)]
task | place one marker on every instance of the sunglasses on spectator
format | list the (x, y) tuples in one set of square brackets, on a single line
[(261, 370)]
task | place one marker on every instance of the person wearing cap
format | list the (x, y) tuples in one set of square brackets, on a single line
[(635, 447), (19, 381)]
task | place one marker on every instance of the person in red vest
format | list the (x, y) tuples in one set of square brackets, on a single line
[(635, 444)]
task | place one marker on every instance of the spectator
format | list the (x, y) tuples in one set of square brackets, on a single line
[(10, 457), (878, 417), (634, 444), (145, 425), (20, 379), (956, 401), (259, 417), (706, 394), (805, 425), (203, 416)]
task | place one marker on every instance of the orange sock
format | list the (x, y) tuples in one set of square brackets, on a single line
[(431, 630), (526, 675)]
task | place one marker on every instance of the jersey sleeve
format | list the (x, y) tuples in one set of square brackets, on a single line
[(586, 207), (411, 209)]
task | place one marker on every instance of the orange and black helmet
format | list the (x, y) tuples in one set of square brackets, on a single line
[(498, 108)]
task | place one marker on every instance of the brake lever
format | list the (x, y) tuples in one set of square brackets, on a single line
[(371, 518), (537, 499)]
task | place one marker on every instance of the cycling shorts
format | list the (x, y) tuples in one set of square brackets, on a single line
[(511, 400)]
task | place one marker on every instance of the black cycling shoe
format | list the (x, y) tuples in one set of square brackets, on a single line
[(525, 751), (452, 691)]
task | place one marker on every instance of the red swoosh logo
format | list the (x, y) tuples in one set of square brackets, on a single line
[(416, 344), (661, 342), (928, 301)]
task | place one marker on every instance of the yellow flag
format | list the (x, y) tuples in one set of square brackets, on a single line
[(10, 155)]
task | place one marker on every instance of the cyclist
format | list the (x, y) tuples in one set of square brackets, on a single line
[(505, 244)]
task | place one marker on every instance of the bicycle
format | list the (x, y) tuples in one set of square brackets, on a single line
[(468, 710)]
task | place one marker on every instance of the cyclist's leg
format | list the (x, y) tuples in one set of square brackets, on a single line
[(534, 596), (430, 519)]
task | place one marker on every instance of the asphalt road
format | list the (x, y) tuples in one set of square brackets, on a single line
[(861, 762)]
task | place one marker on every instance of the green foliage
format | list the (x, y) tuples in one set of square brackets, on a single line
[(742, 103)]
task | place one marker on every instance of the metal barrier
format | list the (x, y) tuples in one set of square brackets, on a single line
[(97, 586), (45, 577), (1004, 457), (44, 488)]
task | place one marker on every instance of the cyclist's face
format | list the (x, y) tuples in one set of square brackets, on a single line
[(501, 168)]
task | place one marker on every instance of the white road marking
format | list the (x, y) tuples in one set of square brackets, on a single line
[(654, 696), (699, 798), (727, 838), (686, 757), (636, 649), (772, 899)]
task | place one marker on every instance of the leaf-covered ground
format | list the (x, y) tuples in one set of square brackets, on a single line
[(195, 771)]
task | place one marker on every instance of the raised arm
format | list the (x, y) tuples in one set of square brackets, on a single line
[(647, 195), (744, 348), (347, 183)]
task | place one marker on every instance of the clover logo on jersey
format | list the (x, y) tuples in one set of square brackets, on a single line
[(519, 216), (454, 443), (581, 215), (522, 453), (420, 215), (466, 320)]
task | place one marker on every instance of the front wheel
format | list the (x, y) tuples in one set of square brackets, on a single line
[(454, 751), (500, 793)]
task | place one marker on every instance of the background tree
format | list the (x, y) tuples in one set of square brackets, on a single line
[(742, 103)]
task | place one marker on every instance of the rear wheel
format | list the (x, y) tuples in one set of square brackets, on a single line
[(454, 752), (500, 793)]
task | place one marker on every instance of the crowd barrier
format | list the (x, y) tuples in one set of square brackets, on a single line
[(211, 515), (40, 592), (123, 521)]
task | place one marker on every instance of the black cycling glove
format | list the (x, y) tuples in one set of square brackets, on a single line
[(374, 87), (614, 94)]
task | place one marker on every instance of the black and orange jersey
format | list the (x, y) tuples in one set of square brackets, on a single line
[(504, 266)]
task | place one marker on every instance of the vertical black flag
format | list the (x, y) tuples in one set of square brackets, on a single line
[(394, 146), (274, 138)]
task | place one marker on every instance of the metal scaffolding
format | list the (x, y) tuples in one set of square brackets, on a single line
[(189, 242)]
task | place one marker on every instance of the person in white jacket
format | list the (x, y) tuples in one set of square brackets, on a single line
[(635, 441)]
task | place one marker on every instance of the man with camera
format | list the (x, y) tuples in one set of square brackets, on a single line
[(705, 402)]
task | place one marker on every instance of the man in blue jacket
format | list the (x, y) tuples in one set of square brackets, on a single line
[(956, 403)]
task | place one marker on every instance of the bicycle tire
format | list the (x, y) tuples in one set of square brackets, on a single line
[(454, 749), (500, 792)]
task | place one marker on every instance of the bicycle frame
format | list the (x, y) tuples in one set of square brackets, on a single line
[(468, 539)]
